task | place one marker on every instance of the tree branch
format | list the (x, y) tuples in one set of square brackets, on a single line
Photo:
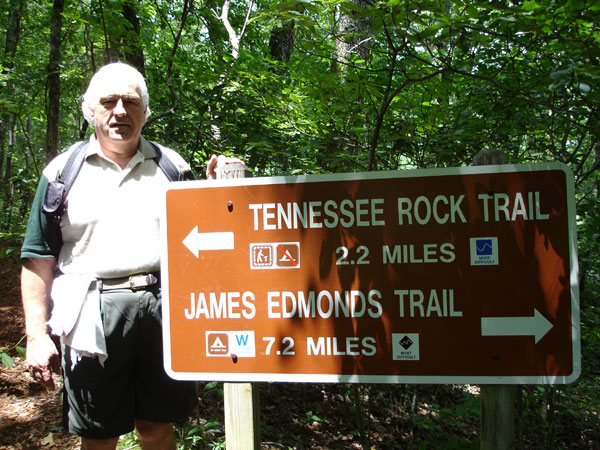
[(187, 6)]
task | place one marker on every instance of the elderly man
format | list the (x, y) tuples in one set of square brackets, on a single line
[(98, 266)]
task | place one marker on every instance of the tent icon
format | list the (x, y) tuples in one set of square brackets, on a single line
[(218, 344)]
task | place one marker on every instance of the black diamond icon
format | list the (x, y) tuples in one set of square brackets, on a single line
[(406, 342)]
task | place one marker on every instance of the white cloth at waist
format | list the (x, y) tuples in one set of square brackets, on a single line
[(76, 316)]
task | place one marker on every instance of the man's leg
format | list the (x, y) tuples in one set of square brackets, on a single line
[(99, 444), (160, 400), (155, 435)]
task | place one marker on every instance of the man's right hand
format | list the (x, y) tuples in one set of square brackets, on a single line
[(42, 359), (36, 283)]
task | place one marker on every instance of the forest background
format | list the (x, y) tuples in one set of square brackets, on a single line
[(295, 87)]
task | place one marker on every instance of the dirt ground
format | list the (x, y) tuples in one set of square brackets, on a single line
[(29, 415)]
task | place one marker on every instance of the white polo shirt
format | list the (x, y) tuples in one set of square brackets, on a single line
[(111, 228)]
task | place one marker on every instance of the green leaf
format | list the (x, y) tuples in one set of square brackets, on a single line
[(210, 386), (7, 360), (473, 12), (584, 88), (430, 31), (559, 74)]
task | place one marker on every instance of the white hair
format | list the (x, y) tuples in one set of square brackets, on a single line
[(125, 71)]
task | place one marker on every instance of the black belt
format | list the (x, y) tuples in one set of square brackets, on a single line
[(134, 282)]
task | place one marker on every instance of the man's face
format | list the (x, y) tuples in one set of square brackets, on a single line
[(119, 115)]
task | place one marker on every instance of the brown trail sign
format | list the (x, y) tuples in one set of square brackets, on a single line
[(462, 275)]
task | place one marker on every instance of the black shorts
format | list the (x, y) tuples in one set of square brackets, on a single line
[(102, 402)]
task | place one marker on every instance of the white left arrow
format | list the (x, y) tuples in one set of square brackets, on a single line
[(197, 242), (537, 326)]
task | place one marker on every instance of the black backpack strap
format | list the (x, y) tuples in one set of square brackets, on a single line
[(169, 169), (56, 194)]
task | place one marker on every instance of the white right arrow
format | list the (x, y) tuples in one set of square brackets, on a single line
[(537, 326), (195, 242)]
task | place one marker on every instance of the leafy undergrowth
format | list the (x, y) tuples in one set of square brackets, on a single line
[(324, 416)]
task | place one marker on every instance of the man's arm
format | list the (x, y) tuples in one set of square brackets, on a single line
[(36, 282)]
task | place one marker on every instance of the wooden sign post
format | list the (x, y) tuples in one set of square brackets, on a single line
[(241, 400), (497, 401)]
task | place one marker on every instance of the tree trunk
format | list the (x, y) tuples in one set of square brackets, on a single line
[(53, 80), (12, 38), (352, 49), (352, 40), (131, 47), (597, 164), (282, 42)]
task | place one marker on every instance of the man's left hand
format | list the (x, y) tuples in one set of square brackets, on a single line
[(217, 162)]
